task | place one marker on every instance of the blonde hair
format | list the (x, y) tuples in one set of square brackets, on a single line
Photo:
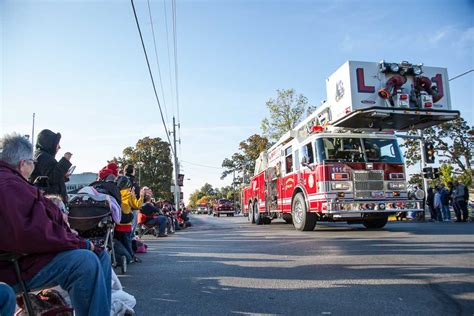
[(58, 201)]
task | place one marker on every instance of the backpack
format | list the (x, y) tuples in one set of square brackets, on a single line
[(48, 302), (139, 246)]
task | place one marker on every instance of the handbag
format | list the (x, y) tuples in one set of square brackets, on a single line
[(47, 302)]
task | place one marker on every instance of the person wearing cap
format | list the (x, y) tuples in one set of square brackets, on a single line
[(47, 146), (123, 231)]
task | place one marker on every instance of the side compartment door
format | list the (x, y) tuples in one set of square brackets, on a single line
[(287, 179)]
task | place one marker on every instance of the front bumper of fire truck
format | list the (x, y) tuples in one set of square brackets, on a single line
[(360, 207)]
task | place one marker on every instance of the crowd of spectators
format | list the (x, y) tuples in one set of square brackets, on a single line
[(440, 199), (59, 256)]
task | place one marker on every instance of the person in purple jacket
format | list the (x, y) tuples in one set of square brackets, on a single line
[(33, 225)]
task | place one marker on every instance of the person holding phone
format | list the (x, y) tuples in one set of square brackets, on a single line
[(47, 146)]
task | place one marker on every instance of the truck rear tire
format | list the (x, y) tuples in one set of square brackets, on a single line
[(257, 218), (375, 223), (302, 219), (267, 221), (250, 214), (287, 218)]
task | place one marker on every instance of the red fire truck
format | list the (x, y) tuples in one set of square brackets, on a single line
[(343, 162)]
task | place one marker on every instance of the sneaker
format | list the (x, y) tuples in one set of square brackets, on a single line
[(136, 259), (162, 235)]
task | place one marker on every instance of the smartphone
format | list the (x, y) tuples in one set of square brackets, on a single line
[(71, 170)]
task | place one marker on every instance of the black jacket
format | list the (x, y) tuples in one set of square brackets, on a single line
[(109, 188), (149, 210), (47, 165), (135, 185)]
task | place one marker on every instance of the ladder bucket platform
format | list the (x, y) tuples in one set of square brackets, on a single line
[(387, 96), (401, 119)]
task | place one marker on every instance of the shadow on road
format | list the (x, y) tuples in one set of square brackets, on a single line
[(247, 269)]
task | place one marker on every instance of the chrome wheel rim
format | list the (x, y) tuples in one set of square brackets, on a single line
[(298, 212)]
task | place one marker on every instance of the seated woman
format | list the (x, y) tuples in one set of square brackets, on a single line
[(154, 216)]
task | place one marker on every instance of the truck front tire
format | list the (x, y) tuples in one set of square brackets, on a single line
[(302, 219)]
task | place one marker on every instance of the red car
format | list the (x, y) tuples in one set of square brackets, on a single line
[(223, 206)]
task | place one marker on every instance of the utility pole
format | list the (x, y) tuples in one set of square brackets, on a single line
[(33, 132), (176, 169), (233, 187), (423, 165)]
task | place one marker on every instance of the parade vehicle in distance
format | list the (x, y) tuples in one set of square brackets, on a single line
[(343, 162), (202, 209), (223, 206)]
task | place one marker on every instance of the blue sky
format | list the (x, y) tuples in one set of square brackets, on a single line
[(79, 66)]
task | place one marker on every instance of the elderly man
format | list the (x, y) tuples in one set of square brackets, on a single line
[(34, 226)]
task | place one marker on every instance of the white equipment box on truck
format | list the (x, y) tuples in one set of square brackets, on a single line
[(393, 96)]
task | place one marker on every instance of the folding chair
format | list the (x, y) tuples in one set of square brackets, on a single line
[(13, 258)]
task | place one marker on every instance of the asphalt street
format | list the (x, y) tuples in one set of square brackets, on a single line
[(227, 266)]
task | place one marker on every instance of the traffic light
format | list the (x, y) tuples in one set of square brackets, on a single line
[(428, 172), (429, 152)]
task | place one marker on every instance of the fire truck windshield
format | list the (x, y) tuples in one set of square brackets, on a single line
[(347, 149)]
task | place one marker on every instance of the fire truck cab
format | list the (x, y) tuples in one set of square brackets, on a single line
[(343, 162)]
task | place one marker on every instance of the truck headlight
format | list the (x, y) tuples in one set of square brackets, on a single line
[(397, 186), (394, 67), (340, 186), (419, 194), (417, 70)]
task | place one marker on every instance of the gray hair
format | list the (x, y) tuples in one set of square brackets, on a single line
[(15, 148)]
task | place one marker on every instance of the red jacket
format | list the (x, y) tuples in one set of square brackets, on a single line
[(30, 224)]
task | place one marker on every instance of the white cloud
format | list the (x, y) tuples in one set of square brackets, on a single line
[(438, 36)]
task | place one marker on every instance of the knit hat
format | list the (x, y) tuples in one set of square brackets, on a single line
[(113, 167), (104, 173)]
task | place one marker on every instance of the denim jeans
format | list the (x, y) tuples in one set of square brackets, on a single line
[(126, 239), (446, 212), (462, 206), (84, 275), (7, 300), (120, 251), (134, 223), (160, 221)]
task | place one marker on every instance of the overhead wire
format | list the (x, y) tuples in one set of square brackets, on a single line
[(201, 165), (464, 73), (151, 76), (157, 60)]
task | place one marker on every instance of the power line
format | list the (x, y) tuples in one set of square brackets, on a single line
[(465, 73), (151, 76), (200, 165), (157, 59)]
